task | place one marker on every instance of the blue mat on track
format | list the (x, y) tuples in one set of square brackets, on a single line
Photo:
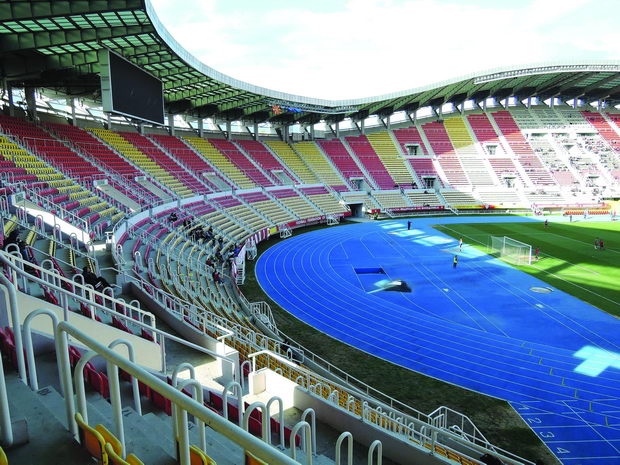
[(478, 325)]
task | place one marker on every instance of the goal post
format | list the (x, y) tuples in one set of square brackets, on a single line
[(511, 250)]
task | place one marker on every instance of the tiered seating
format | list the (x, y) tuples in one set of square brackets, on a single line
[(450, 164), (341, 158), (319, 164), (211, 153), (391, 200), (460, 199), (242, 213), (293, 161), (596, 146), (267, 207), (505, 166), (484, 131), (424, 167), (545, 197), (604, 129), (92, 149), (410, 136), (244, 165), (146, 146), (27, 168), (261, 155), (295, 203), (464, 145), (324, 200), (499, 197), (424, 198), (129, 151), (187, 157), (367, 155), (548, 155), (528, 159), (67, 193), (526, 119), (389, 155)]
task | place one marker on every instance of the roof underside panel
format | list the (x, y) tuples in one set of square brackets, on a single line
[(55, 44)]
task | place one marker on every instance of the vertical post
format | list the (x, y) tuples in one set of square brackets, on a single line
[(117, 407), (109, 117), (201, 127), (337, 125), (31, 102), (387, 122), (9, 91), (312, 135), (285, 134), (255, 130), (15, 324), (363, 126), (72, 103), (171, 123), (5, 413), (62, 348), (228, 129), (183, 436)]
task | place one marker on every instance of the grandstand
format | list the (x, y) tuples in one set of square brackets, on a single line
[(121, 231)]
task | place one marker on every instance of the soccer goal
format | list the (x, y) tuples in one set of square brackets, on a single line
[(511, 250)]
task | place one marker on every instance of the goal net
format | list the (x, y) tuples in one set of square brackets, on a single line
[(511, 250)]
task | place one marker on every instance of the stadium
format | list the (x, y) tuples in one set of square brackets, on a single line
[(199, 270)]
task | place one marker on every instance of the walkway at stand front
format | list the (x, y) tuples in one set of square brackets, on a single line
[(478, 325)]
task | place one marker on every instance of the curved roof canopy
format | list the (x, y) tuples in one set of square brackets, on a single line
[(54, 44)]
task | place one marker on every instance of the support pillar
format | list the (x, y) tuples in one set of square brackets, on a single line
[(484, 105), (9, 91), (171, 123), (228, 129), (387, 122), (201, 127), (141, 128), (72, 104), (109, 116), (312, 135), (529, 102), (337, 125), (255, 130), (285, 134), (31, 102), (363, 126)]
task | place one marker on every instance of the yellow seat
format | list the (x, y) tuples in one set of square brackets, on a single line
[(198, 457), (251, 459), (3, 459), (95, 440), (115, 459)]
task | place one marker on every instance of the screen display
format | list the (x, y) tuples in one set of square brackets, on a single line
[(129, 90)]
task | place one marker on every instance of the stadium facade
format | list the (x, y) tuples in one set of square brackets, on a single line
[(164, 215)]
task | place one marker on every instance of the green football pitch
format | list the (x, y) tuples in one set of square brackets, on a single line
[(568, 259)]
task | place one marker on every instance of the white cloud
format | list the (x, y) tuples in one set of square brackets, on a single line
[(372, 47)]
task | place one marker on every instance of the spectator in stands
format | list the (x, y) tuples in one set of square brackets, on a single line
[(98, 282), (216, 277), (173, 217), (11, 238)]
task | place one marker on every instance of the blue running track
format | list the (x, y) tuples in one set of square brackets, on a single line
[(478, 326)]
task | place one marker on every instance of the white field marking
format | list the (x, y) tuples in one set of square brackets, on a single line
[(588, 272), (562, 279)]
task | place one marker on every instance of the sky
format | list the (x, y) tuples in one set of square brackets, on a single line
[(336, 49)]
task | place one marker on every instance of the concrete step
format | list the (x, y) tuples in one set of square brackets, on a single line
[(219, 448), (48, 437), (139, 438)]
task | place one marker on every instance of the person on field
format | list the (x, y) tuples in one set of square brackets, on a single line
[(408, 225), (461, 244), (536, 252), (546, 224), (455, 261)]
